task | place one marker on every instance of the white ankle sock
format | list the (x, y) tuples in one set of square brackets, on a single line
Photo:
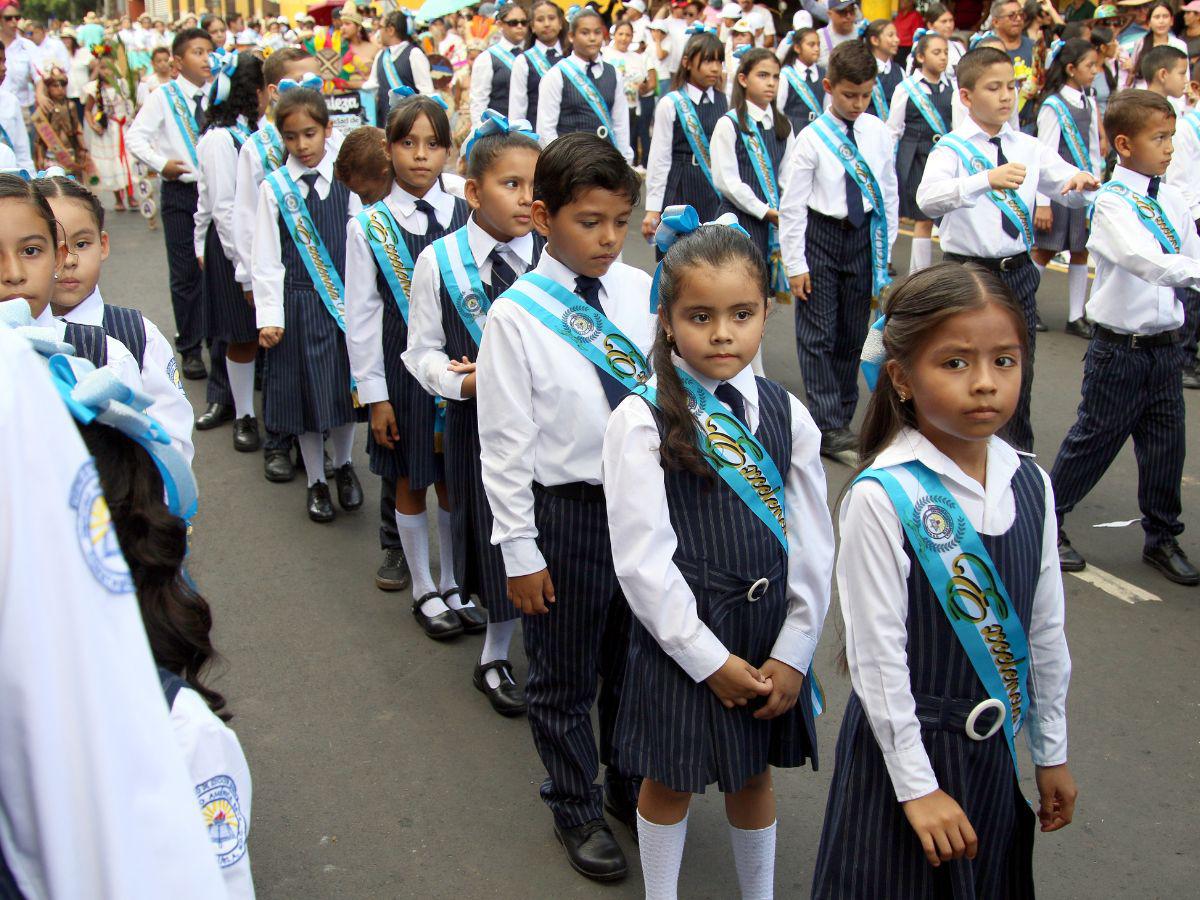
[(341, 443), (1077, 290), (446, 579), (922, 254), (495, 646), (414, 538), (241, 385), (754, 857), (661, 850), (312, 451)]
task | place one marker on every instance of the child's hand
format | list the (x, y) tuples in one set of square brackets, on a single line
[(772, 216), (200, 262), (172, 170), (464, 367), (737, 682), (269, 337), (249, 295), (1058, 792), (1083, 181), (942, 827), (530, 593), (785, 688), (383, 424), (650, 225), (1009, 176), (801, 286), (1043, 218)]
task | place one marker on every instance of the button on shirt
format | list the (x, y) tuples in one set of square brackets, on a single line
[(872, 571), (658, 166), (644, 543), (550, 91), (1135, 279), (1050, 131), (816, 180), (518, 84), (726, 174), (542, 411), (481, 78), (426, 355), (155, 137)]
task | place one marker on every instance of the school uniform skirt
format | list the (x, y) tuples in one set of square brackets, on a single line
[(1069, 231), (911, 157), (228, 317), (478, 564)]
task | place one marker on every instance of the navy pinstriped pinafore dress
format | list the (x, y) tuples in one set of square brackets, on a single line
[(757, 228), (796, 109), (308, 372), (414, 456), (868, 848), (478, 564), (888, 81), (383, 93), (1070, 228), (685, 180), (533, 82), (501, 78), (574, 113), (669, 727), (129, 327), (912, 153), (227, 315), (88, 341)]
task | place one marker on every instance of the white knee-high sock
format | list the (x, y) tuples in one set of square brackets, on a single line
[(922, 254), (414, 538), (446, 579), (754, 857), (312, 451), (341, 442), (661, 849), (1077, 290), (241, 385), (495, 646)]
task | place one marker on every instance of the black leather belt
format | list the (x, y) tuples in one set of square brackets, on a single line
[(1135, 341), (977, 719), (843, 224), (995, 263), (579, 491)]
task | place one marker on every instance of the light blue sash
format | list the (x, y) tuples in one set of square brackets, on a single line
[(802, 88), (852, 161), (325, 278), (693, 130), (924, 104), (1149, 213), (587, 90), (965, 581), (1191, 117), (539, 61), (391, 253), (881, 102), (1009, 202), (390, 73), (184, 120), (1066, 124), (764, 173), (270, 148), (460, 276), (505, 56), (240, 134)]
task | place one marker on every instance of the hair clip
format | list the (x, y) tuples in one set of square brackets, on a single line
[(311, 81), (223, 66), (572, 13), (676, 222), (1055, 49), (742, 51), (403, 92), (861, 28), (873, 355), (494, 123)]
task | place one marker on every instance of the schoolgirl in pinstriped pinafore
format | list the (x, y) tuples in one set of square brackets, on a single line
[(549, 26), (883, 41), (925, 801), (800, 66), (402, 62)]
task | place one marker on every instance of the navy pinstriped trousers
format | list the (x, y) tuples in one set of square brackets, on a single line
[(1191, 323), (1128, 393), (187, 301)]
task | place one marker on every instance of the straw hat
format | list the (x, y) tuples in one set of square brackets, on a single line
[(349, 13)]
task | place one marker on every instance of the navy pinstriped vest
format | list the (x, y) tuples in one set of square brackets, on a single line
[(416, 243), (88, 341), (775, 147), (916, 129), (128, 327), (709, 114), (329, 215), (575, 114), (888, 81), (501, 78), (532, 82), (1083, 122), (797, 110), (685, 179), (383, 90)]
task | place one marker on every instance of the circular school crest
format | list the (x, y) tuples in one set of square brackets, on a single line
[(936, 523), (95, 532), (582, 326), (173, 373), (223, 818), (472, 304), (978, 165), (845, 151), (291, 201)]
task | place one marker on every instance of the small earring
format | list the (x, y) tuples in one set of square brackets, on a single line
[(903, 396), (670, 338)]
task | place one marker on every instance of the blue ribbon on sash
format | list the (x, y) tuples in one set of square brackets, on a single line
[(924, 104), (1009, 202), (240, 134), (764, 172), (391, 253), (802, 88), (460, 276), (270, 148), (693, 130), (587, 90), (184, 120), (965, 581), (1066, 124), (539, 60), (1149, 213), (852, 161), (505, 56)]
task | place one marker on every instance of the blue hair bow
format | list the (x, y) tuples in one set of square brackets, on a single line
[(15, 314), (873, 355), (861, 28), (311, 81), (54, 172), (742, 51), (572, 12), (403, 92), (676, 222), (918, 34), (698, 28), (223, 66), (1055, 49), (788, 39), (494, 123), (977, 39)]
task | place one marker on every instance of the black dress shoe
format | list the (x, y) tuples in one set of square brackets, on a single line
[(592, 850), (193, 366), (246, 438), (1080, 328), (320, 506), (507, 699), (328, 467), (393, 575), (1169, 559), (838, 441), (621, 810), (1069, 559), (441, 627), (1191, 376), (350, 494), (474, 619), (214, 414), (278, 465), (1038, 324)]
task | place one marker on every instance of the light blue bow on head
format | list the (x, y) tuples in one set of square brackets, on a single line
[(977, 39), (54, 172), (572, 12), (223, 67), (788, 39), (920, 33), (1055, 49), (15, 314), (742, 51), (98, 395), (311, 81), (403, 92), (873, 355), (698, 28), (861, 28), (676, 222), (494, 123)]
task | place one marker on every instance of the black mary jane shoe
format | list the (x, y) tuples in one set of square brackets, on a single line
[(1172, 562), (443, 626), (192, 367), (507, 699), (1069, 559), (246, 438), (320, 506), (623, 811), (214, 414), (473, 618), (350, 492), (278, 466), (1038, 324), (393, 574), (1081, 328), (592, 850)]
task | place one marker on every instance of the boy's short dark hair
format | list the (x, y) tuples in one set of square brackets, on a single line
[(1162, 57), (975, 62), (157, 50), (851, 61), (188, 35), (1130, 111), (577, 162), (362, 153), (276, 64), (301, 99)]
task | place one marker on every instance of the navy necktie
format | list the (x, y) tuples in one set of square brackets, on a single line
[(705, 98), (732, 397), (503, 274), (199, 99), (310, 179), (1010, 227), (854, 200), (588, 288), (433, 228), (1153, 189), (552, 55)]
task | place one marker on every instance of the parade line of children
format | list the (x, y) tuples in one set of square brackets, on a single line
[(611, 472)]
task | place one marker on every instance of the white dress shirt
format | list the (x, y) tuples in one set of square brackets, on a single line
[(1184, 171), (97, 800), (120, 360), (898, 110), (217, 186), (481, 77), (644, 542), (417, 61), (728, 178), (426, 357), (20, 57), (1135, 280), (550, 91), (14, 126), (159, 374), (830, 39), (678, 38), (518, 84), (50, 53), (154, 137), (872, 569), (971, 223), (816, 180), (266, 269), (542, 411), (1049, 131), (806, 73), (662, 142), (364, 302)]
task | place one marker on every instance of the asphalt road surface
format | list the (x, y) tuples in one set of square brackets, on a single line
[(379, 771)]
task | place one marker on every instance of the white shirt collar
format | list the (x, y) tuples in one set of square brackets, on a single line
[(547, 47), (324, 168), (507, 44), (552, 268), (1074, 96), (483, 244), (88, 312), (406, 203), (757, 113), (1134, 180), (884, 65), (396, 48), (971, 129), (583, 63), (803, 69), (189, 90), (695, 93), (46, 319), (743, 382), (910, 444)]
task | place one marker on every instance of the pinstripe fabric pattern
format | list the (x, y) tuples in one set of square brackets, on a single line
[(88, 341), (187, 302), (1128, 393), (383, 96), (217, 389), (228, 317), (672, 729), (501, 77), (574, 114), (128, 327), (532, 80), (889, 81), (797, 110), (1070, 229), (307, 383), (832, 324), (685, 180), (757, 228), (584, 636), (1191, 323), (1023, 282), (914, 148), (867, 848)]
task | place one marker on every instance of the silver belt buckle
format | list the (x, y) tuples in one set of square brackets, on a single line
[(973, 718), (758, 590), (694, 161), (602, 131)]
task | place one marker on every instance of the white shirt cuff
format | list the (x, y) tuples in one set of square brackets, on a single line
[(912, 775), (451, 384), (266, 318), (522, 557), (977, 185), (372, 390), (795, 648), (703, 656), (1048, 741)]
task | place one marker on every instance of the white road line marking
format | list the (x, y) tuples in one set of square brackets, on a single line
[(1117, 587)]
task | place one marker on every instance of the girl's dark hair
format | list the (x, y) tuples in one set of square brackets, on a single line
[(362, 153), (719, 247), (588, 12), (874, 30), (564, 37), (783, 126), (933, 12), (797, 38), (1072, 52), (398, 21), (487, 150), (301, 99), (699, 48), (404, 115), (1074, 30), (208, 18), (1146, 44), (69, 188), (1102, 36), (916, 305), (14, 187), (244, 85), (177, 619), (922, 45)]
